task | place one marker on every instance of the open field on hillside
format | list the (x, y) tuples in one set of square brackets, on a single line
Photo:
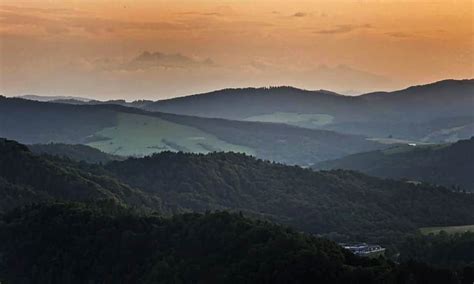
[(448, 229), (141, 135), (390, 141), (297, 119)]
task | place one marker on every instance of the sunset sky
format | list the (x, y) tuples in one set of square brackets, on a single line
[(146, 49)]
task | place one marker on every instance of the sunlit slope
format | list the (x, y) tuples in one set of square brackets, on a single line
[(128, 131), (297, 119), (447, 229), (140, 135)]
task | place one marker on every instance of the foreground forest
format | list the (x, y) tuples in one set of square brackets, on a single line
[(130, 221), (77, 243), (69, 221)]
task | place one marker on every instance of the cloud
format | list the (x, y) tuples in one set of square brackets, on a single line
[(148, 60), (59, 23), (342, 29), (202, 13), (51, 26), (299, 15), (398, 34), (38, 10)]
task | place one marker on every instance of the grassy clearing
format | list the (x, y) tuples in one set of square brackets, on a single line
[(390, 141), (449, 229), (298, 119), (141, 135)]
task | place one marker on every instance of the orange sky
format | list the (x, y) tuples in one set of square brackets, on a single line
[(91, 48)]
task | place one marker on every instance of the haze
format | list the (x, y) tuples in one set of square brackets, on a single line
[(160, 49)]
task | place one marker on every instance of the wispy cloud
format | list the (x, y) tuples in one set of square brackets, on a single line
[(202, 13), (342, 29), (299, 15), (88, 24), (147, 60), (398, 34)]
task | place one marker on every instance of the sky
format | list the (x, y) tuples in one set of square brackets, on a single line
[(144, 49)]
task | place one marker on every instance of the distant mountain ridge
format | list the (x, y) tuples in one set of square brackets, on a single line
[(53, 98), (379, 114), (435, 113)]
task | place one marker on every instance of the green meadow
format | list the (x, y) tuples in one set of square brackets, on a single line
[(141, 135), (297, 119), (448, 229)]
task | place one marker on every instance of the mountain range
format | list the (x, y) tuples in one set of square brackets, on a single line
[(432, 113), (440, 111), (126, 131)]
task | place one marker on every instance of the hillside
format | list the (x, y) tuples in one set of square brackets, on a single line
[(126, 131), (415, 113), (341, 204), (26, 178), (249, 103), (85, 244), (450, 165), (438, 99), (76, 152)]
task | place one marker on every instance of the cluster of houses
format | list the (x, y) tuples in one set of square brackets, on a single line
[(364, 249)]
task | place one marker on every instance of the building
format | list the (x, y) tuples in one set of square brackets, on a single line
[(364, 249)]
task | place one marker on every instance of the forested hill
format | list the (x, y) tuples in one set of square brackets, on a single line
[(127, 131), (27, 178), (343, 204), (75, 152), (451, 165), (248, 102), (73, 243), (439, 99)]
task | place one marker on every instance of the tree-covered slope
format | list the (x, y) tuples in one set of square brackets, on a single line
[(73, 243), (279, 142), (27, 178), (77, 152), (345, 205), (251, 102), (454, 251), (451, 165), (126, 131), (341, 204)]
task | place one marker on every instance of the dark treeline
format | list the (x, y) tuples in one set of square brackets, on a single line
[(443, 250), (27, 178), (77, 243), (75, 152)]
